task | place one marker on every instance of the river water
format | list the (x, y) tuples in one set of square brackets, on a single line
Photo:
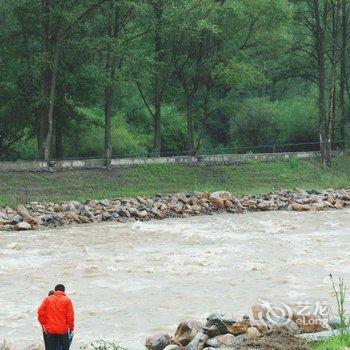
[(128, 281)]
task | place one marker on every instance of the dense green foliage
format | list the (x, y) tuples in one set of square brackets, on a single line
[(169, 76), (250, 178)]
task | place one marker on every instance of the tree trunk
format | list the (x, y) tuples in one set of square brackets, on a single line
[(343, 73), (109, 89), (206, 116), (48, 139), (158, 84), (190, 128), (333, 75), (45, 76), (58, 143), (323, 125), (108, 113), (108, 104)]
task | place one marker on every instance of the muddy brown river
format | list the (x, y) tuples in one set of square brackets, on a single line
[(128, 281)]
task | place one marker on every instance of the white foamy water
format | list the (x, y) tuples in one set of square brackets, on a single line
[(128, 281)]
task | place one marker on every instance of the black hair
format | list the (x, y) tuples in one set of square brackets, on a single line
[(51, 292), (60, 287)]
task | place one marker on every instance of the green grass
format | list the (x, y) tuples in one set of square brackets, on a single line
[(252, 178), (337, 343)]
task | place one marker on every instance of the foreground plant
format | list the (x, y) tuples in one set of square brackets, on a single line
[(341, 341), (340, 294), (103, 345)]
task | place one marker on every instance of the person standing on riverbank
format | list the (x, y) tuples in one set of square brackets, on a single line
[(56, 316)]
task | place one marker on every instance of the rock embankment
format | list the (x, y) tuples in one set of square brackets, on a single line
[(265, 330), (35, 215)]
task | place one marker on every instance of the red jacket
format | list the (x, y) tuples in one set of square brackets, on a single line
[(56, 314)]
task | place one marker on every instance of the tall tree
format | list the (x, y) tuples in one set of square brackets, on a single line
[(314, 18), (59, 21), (344, 111), (159, 66)]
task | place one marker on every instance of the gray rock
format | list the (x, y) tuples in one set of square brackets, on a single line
[(267, 205), (222, 341), (85, 211), (240, 339), (16, 219), (104, 203), (122, 211), (158, 342), (217, 319), (212, 331), (133, 212), (113, 216), (157, 213), (198, 343)]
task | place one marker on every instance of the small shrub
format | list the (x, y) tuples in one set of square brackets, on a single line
[(104, 345)]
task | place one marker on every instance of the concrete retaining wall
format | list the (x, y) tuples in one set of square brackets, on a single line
[(125, 162)]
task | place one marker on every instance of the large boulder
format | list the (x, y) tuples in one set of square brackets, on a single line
[(216, 200), (238, 328), (224, 195), (252, 333), (301, 207), (143, 215), (186, 331), (22, 226), (72, 216), (267, 205), (198, 342), (16, 219), (222, 341), (158, 342), (227, 325), (216, 319), (339, 204), (23, 211), (212, 331)]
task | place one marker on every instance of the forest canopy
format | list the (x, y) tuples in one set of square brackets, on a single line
[(119, 78)]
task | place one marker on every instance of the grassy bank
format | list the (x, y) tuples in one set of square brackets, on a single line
[(253, 177), (341, 342)]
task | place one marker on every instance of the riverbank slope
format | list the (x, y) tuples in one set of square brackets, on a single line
[(252, 178)]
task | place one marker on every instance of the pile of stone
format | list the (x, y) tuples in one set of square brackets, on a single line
[(35, 214), (220, 332)]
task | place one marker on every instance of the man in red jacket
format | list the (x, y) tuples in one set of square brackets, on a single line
[(56, 316)]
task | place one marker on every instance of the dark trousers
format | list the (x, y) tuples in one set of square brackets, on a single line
[(52, 340), (45, 340)]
